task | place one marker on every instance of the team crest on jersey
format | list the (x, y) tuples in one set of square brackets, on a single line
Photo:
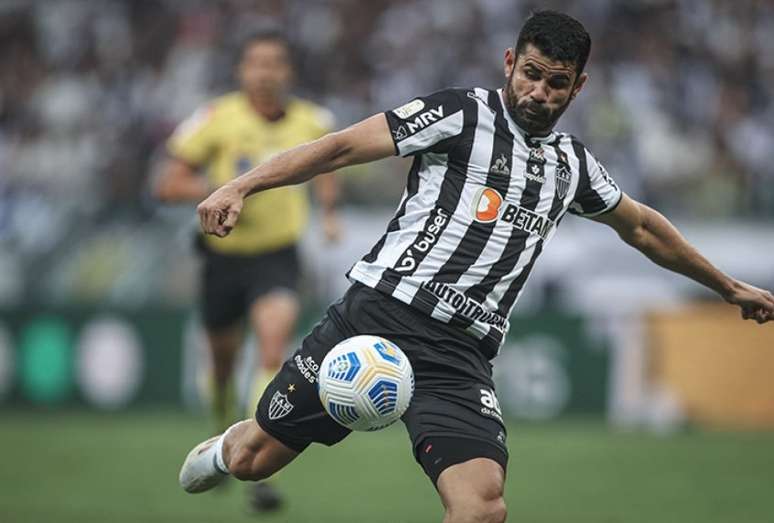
[(486, 205), (500, 166), (563, 179), (280, 406)]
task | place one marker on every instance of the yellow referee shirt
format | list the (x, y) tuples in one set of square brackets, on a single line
[(227, 138)]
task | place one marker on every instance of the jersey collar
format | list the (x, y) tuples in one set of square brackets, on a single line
[(515, 127)]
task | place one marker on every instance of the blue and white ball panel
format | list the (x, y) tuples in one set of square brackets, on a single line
[(344, 367), (344, 414), (389, 352), (384, 396), (365, 383)]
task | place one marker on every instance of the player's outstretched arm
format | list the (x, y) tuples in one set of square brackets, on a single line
[(652, 234), (363, 142)]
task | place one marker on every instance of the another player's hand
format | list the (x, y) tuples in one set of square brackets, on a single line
[(756, 304), (219, 212)]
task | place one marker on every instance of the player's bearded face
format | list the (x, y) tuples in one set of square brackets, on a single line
[(539, 90)]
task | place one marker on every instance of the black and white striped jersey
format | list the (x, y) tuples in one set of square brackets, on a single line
[(482, 200)]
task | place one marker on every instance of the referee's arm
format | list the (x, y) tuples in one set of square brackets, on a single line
[(363, 142), (652, 234)]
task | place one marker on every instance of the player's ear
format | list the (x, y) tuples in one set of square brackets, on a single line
[(579, 83), (509, 62)]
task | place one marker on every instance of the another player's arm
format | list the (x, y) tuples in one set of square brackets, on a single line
[(326, 191), (363, 142), (652, 234), (180, 182)]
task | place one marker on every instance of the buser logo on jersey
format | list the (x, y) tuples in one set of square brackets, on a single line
[(434, 226)]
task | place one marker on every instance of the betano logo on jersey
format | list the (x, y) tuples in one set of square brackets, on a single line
[(488, 207)]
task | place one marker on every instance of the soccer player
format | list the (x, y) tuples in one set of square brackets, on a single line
[(255, 271), (490, 183)]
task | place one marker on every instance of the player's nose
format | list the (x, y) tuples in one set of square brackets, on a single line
[(539, 92)]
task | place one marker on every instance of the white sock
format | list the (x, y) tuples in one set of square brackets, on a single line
[(218, 461)]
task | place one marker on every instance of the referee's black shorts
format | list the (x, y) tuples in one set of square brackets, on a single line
[(454, 415), (231, 283)]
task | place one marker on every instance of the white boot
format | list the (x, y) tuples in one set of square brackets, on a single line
[(203, 468)]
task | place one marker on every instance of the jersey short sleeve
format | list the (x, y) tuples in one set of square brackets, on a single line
[(194, 139), (597, 192), (425, 122)]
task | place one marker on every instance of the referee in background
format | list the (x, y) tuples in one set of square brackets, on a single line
[(253, 272)]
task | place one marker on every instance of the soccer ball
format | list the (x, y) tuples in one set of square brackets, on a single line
[(366, 383)]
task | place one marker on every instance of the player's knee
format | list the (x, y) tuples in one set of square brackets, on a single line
[(482, 504), (478, 509), (496, 510)]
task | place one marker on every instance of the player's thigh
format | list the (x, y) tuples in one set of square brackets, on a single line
[(290, 409), (453, 421), (273, 317), (272, 295)]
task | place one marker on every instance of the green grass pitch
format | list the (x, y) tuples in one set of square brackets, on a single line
[(78, 467)]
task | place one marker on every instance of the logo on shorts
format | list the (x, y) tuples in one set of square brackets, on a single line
[(280, 406), (491, 407), (307, 367), (487, 205)]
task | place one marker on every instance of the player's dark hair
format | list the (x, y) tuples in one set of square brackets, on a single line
[(558, 36), (265, 34)]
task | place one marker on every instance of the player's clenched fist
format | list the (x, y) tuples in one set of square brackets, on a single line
[(756, 304), (218, 214)]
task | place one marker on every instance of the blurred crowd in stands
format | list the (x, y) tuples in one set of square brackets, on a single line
[(680, 106)]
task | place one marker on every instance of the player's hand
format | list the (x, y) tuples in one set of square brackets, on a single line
[(331, 227), (218, 214), (756, 304)]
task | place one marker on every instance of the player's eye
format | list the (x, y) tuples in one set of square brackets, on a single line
[(558, 83), (532, 74)]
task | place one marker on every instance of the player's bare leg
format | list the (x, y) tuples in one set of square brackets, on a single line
[(224, 345), (273, 318), (473, 492), (244, 451)]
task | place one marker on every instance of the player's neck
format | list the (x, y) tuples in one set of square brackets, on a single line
[(269, 107)]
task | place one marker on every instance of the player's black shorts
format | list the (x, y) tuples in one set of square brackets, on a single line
[(230, 283), (454, 415)]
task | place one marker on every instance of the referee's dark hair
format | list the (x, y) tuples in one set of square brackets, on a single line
[(558, 36), (268, 33)]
